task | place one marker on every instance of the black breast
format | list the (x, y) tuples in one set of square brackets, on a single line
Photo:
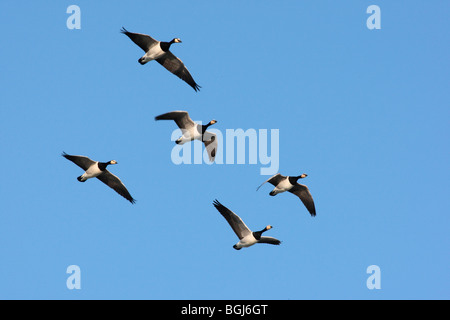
[(293, 180), (257, 235), (102, 165), (165, 46)]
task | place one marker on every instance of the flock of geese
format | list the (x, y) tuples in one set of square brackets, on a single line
[(159, 51)]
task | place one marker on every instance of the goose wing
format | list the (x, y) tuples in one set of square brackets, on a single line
[(145, 42), (233, 219), (210, 141), (177, 67), (269, 240), (181, 118), (81, 161), (275, 180), (303, 193), (115, 183)]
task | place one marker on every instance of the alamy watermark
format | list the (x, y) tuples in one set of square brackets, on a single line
[(237, 146), (374, 280), (74, 20), (374, 21), (74, 280)]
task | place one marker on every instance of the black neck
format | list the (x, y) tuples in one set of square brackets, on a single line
[(165, 46), (102, 165), (205, 126), (293, 180), (258, 234)]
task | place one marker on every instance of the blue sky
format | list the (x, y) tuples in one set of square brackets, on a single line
[(365, 113)]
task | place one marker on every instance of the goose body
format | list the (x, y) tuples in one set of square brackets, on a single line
[(192, 131), (190, 134), (91, 172), (246, 242), (288, 183), (96, 169), (153, 53), (283, 186), (247, 238), (159, 51)]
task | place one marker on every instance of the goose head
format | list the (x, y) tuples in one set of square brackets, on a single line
[(258, 234), (204, 127), (265, 229), (295, 179)]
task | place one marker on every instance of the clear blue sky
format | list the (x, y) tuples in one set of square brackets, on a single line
[(365, 113)]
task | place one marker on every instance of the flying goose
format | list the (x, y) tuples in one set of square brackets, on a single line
[(246, 237), (286, 183), (159, 51), (95, 169), (192, 131)]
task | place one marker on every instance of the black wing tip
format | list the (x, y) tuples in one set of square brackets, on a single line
[(133, 201), (217, 204), (273, 241), (65, 155), (123, 30), (312, 210), (165, 116), (161, 117), (196, 87)]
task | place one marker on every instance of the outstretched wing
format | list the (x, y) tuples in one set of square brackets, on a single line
[(233, 219), (275, 180), (81, 161), (145, 42), (269, 240), (115, 183), (303, 193), (177, 67), (181, 118)]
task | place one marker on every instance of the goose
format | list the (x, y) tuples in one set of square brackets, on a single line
[(286, 183), (246, 237), (96, 169), (192, 131), (159, 51)]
